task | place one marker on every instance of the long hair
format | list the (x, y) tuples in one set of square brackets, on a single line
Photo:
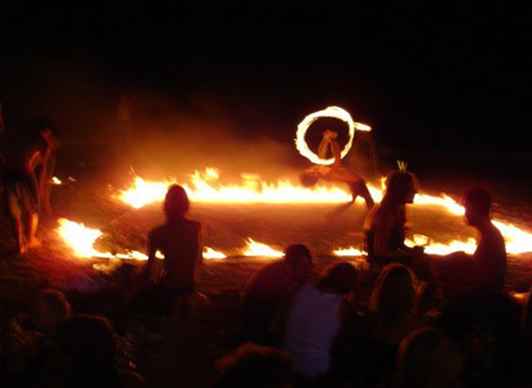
[(393, 296), (176, 203), (398, 184)]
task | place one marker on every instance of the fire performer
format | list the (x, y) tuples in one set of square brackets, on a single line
[(337, 172), (179, 240)]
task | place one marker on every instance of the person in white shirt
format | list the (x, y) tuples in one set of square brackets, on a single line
[(315, 319)]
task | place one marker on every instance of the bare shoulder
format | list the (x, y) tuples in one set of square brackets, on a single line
[(194, 225), (156, 232)]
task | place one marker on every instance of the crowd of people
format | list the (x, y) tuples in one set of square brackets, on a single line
[(404, 321)]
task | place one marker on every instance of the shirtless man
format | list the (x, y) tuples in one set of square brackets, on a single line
[(26, 167), (179, 240), (337, 172), (486, 268)]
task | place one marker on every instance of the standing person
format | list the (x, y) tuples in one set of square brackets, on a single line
[(23, 169), (337, 172), (48, 168), (179, 240)]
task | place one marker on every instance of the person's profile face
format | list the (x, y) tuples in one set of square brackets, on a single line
[(410, 195)]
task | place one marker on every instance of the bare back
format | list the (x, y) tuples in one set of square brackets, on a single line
[(180, 244)]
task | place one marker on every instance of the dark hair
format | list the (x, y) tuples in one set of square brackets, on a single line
[(308, 179), (56, 302), (89, 339), (340, 278), (176, 203), (398, 184), (296, 251), (415, 358), (255, 366), (479, 199), (393, 294)]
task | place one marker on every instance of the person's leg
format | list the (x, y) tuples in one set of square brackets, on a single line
[(359, 188), (15, 216)]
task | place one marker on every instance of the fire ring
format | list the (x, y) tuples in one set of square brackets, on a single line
[(334, 112)]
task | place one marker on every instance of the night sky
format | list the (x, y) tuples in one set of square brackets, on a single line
[(441, 81)]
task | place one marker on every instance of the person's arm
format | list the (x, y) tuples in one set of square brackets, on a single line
[(200, 245), (151, 251), (324, 146), (337, 155)]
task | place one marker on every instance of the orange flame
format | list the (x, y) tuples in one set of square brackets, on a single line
[(81, 240), (205, 187), (212, 254), (349, 252), (258, 249), (56, 181)]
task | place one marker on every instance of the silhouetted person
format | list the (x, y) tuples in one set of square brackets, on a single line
[(385, 224), (270, 288), (27, 166), (48, 168), (391, 317), (486, 268), (179, 241), (255, 366), (427, 359), (337, 172), (315, 318)]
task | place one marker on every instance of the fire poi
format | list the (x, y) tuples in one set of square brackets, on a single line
[(205, 187)]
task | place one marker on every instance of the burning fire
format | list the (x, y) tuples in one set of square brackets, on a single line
[(349, 252), (204, 187), (334, 112), (56, 181), (255, 248), (211, 254)]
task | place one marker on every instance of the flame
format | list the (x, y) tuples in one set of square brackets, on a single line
[(255, 248), (211, 254), (334, 112), (205, 187), (56, 181), (81, 240), (349, 252)]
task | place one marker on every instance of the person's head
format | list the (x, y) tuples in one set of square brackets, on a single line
[(176, 203), (339, 278), (255, 366), (51, 309), (477, 206), (88, 340), (299, 260), (393, 296), (426, 358), (309, 178), (401, 187)]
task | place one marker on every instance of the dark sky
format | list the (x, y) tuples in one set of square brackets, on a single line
[(457, 76)]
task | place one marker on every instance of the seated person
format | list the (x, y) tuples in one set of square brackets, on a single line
[(337, 172), (255, 366), (486, 268), (178, 239), (315, 318), (268, 290), (385, 224)]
